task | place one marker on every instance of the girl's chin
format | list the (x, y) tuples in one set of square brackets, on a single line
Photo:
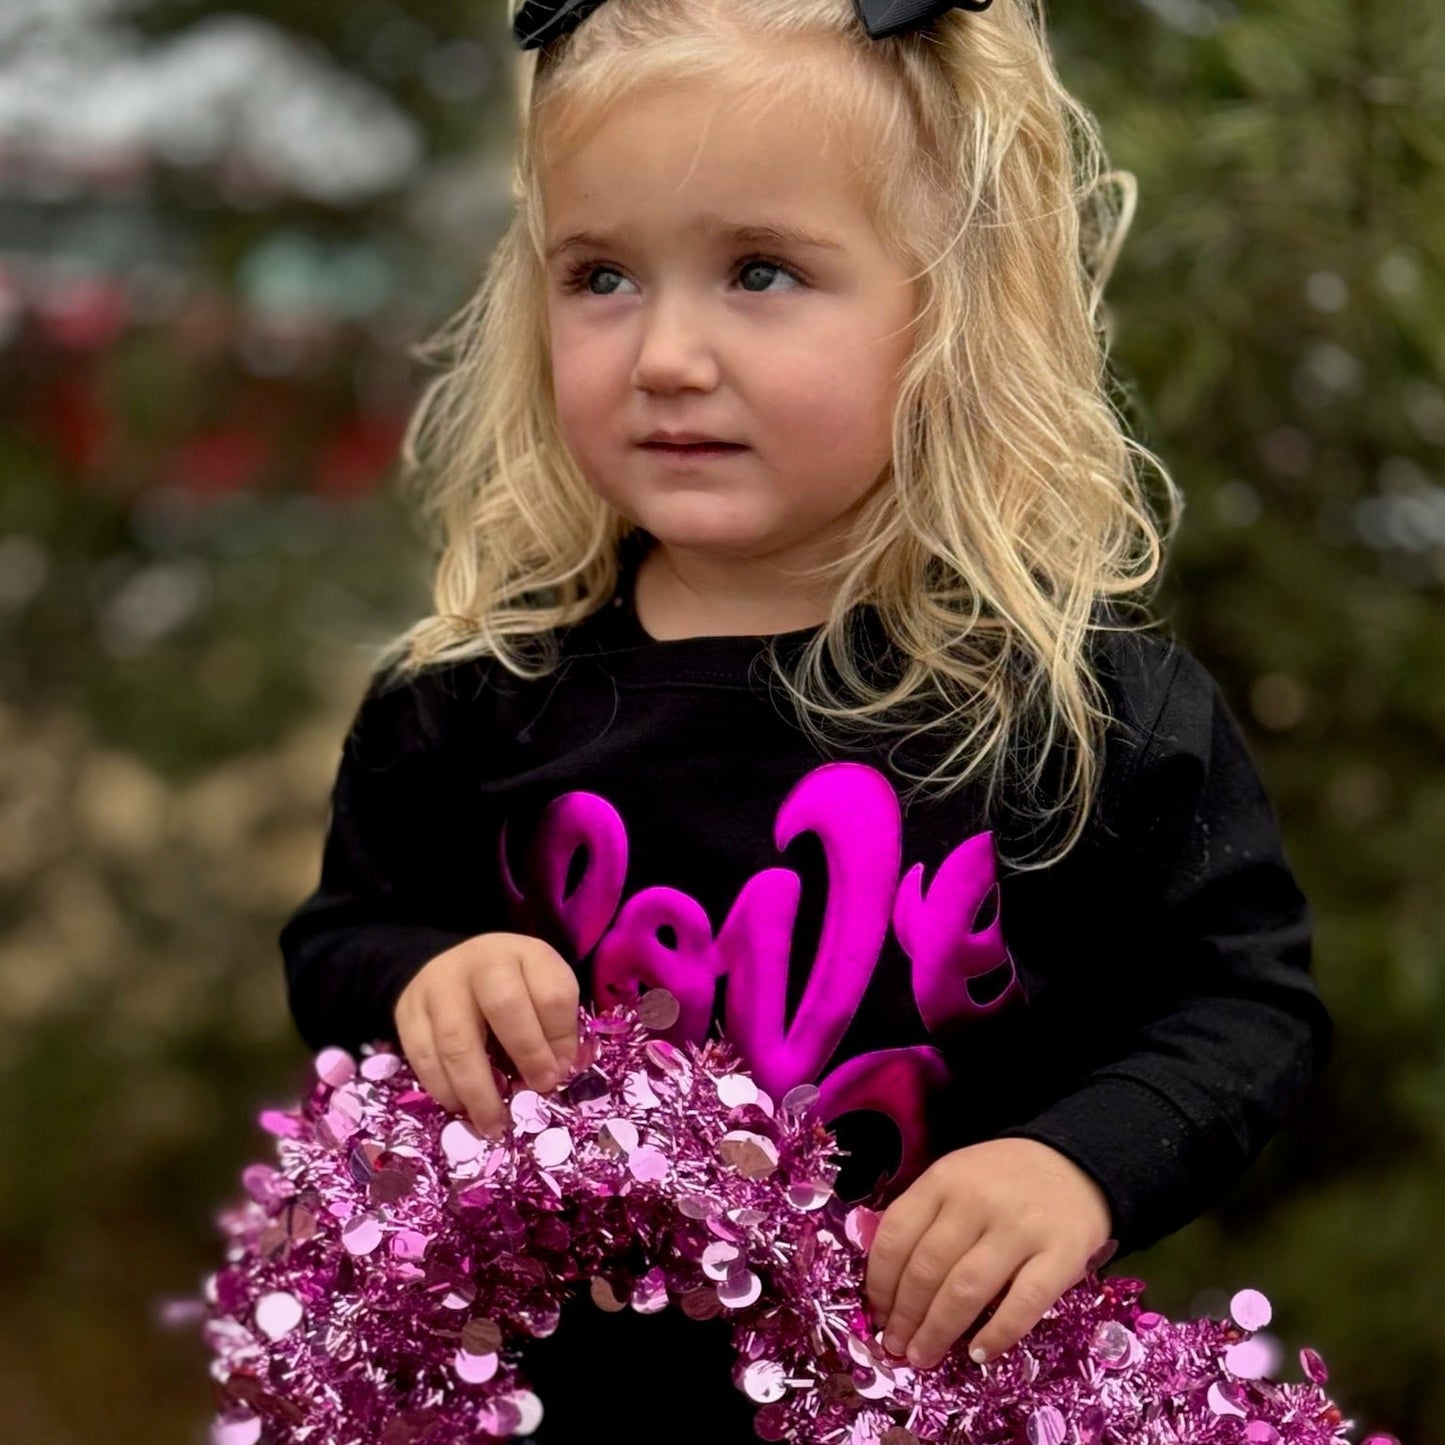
[(712, 541), (699, 524)]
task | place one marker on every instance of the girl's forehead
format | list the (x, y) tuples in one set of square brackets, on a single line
[(786, 110), (708, 148)]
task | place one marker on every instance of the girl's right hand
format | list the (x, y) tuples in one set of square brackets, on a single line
[(511, 985)]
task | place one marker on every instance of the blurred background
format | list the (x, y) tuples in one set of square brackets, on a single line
[(223, 229)]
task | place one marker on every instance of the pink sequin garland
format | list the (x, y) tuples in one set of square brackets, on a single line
[(380, 1278)]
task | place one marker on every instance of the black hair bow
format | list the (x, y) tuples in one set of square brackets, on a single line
[(541, 21)]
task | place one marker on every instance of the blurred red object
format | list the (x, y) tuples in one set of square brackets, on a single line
[(227, 458), (83, 313), (72, 416), (357, 455)]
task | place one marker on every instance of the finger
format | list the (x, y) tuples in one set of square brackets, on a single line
[(975, 1281), (506, 1005), (1035, 1288), (555, 995), (899, 1229), (931, 1262), (459, 1034), (421, 1054)]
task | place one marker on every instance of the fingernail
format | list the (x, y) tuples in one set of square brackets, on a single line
[(546, 1082), (893, 1345)]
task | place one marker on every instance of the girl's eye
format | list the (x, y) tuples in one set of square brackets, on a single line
[(580, 273)]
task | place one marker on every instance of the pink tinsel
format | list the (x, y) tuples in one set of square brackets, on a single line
[(379, 1281)]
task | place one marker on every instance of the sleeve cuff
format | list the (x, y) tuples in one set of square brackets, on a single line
[(1136, 1145), (355, 977), (409, 947)]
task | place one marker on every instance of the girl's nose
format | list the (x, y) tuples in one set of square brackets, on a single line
[(674, 351)]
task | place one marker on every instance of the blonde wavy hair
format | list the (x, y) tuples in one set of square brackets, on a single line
[(1011, 522)]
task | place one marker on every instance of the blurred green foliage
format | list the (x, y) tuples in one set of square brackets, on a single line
[(201, 386)]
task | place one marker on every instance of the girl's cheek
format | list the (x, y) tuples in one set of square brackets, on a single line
[(584, 367), (582, 394)]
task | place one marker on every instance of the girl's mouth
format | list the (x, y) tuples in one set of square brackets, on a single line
[(695, 449)]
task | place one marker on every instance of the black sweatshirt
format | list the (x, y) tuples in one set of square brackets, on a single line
[(654, 810)]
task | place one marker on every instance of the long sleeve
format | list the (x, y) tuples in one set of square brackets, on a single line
[(1231, 1029), (393, 889)]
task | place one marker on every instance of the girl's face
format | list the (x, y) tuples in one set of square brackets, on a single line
[(663, 320)]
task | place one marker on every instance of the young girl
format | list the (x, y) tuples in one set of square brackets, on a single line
[(782, 656)]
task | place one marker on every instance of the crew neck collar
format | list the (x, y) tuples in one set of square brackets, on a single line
[(721, 658), (634, 548)]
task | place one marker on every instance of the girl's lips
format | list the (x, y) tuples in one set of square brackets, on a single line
[(693, 451), (696, 446)]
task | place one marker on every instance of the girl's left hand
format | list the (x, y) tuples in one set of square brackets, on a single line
[(1005, 1209)]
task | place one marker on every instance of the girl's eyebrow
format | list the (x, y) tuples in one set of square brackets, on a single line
[(753, 233)]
